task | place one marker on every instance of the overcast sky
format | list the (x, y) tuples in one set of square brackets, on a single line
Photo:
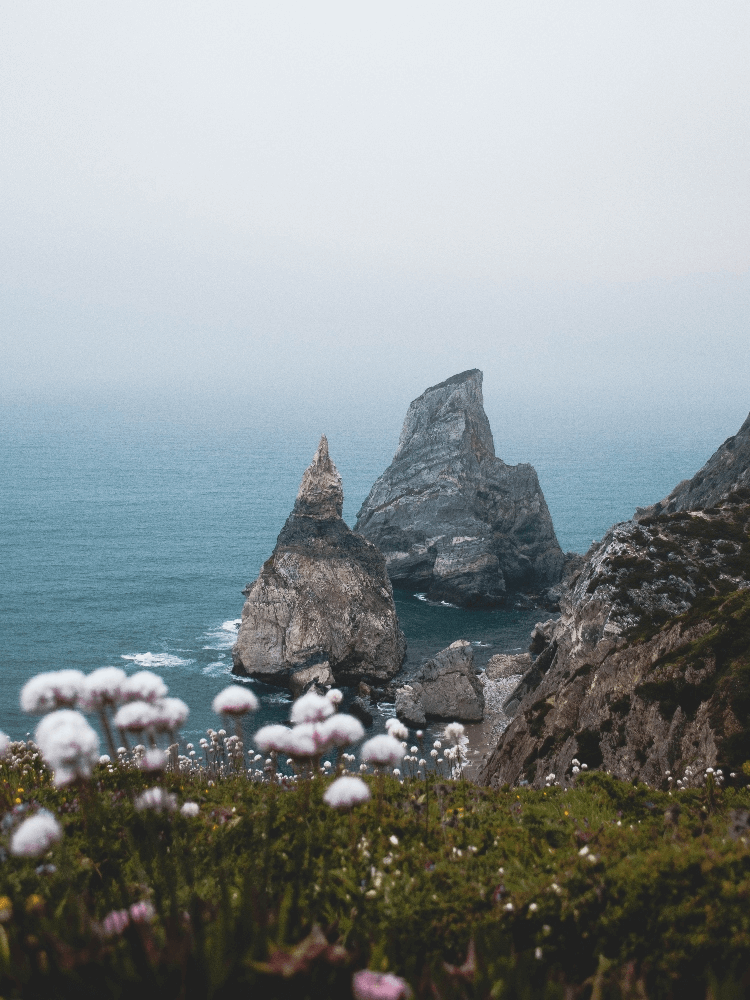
[(351, 201)]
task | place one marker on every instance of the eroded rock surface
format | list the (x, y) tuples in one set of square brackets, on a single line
[(451, 518), (323, 596), (647, 670), (447, 687)]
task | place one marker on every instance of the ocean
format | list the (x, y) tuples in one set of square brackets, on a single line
[(127, 539)]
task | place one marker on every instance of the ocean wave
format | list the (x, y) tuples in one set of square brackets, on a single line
[(223, 636), (216, 669), (156, 660), (435, 604)]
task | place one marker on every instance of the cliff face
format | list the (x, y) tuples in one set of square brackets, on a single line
[(648, 668), (727, 470), (451, 518), (323, 596)]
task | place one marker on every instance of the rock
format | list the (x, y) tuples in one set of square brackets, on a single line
[(409, 706), (363, 709), (625, 679), (319, 674), (451, 518), (504, 665), (727, 471), (541, 635), (323, 595), (447, 686)]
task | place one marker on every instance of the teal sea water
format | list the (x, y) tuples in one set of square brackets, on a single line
[(128, 541)]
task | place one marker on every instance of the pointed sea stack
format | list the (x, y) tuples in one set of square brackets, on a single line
[(323, 603), (451, 518)]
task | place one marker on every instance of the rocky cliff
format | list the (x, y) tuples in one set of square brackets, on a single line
[(451, 518), (323, 597), (648, 668)]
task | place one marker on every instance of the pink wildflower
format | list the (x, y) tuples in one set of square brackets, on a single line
[(368, 985), (115, 923)]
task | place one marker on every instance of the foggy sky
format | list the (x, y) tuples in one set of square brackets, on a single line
[(335, 205)]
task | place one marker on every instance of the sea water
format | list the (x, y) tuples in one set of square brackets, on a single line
[(127, 541)]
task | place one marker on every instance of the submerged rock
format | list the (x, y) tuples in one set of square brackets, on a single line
[(451, 518), (323, 603), (447, 687)]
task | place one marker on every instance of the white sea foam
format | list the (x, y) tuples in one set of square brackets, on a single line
[(156, 660), (223, 636), (435, 604), (217, 669)]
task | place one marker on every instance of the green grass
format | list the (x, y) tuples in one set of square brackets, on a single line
[(238, 888)]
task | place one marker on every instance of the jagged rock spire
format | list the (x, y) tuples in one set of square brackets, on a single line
[(321, 494)]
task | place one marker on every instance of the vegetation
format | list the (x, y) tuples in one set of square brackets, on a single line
[(601, 889)]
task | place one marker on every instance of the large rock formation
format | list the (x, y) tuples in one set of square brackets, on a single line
[(451, 518), (648, 668), (446, 687), (322, 598)]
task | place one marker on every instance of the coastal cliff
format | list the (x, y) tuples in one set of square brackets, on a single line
[(322, 607), (647, 671), (451, 518)]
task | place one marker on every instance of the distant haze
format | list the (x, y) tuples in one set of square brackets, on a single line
[(314, 211)]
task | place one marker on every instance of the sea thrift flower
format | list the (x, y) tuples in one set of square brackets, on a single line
[(48, 691), (35, 835), (156, 799), (68, 744), (382, 750), (115, 923), (170, 714), (368, 985), (454, 732), (235, 700), (102, 688), (153, 760), (344, 793), (136, 716), (142, 912), (396, 729), (334, 696), (342, 730), (311, 707), (144, 686), (190, 809)]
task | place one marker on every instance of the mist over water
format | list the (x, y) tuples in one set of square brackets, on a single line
[(127, 539)]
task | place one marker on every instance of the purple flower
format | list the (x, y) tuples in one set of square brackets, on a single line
[(115, 923), (368, 985)]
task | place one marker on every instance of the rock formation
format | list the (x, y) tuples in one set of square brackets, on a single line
[(647, 669), (451, 518), (323, 600), (447, 687)]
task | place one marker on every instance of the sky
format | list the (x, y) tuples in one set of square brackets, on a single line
[(299, 208)]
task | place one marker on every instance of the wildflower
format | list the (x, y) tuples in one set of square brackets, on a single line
[(433, 753), (420, 734), (102, 688), (153, 760), (584, 851), (143, 686), (533, 907), (170, 714), (454, 732), (342, 730), (6, 909), (48, 691), (396, 773), (68, 744), (508, 907), (235, 700), (190, 809), (584, 767), (396, 729), (422, 762), (136, 716), (105, 759), (368, 985), (115, 923), (538, 953), (382, 750), (334, 696), (156, 799), (142, 912), (35, 835), (438, 745), (311, 707), (393, 839), (346, 792)]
